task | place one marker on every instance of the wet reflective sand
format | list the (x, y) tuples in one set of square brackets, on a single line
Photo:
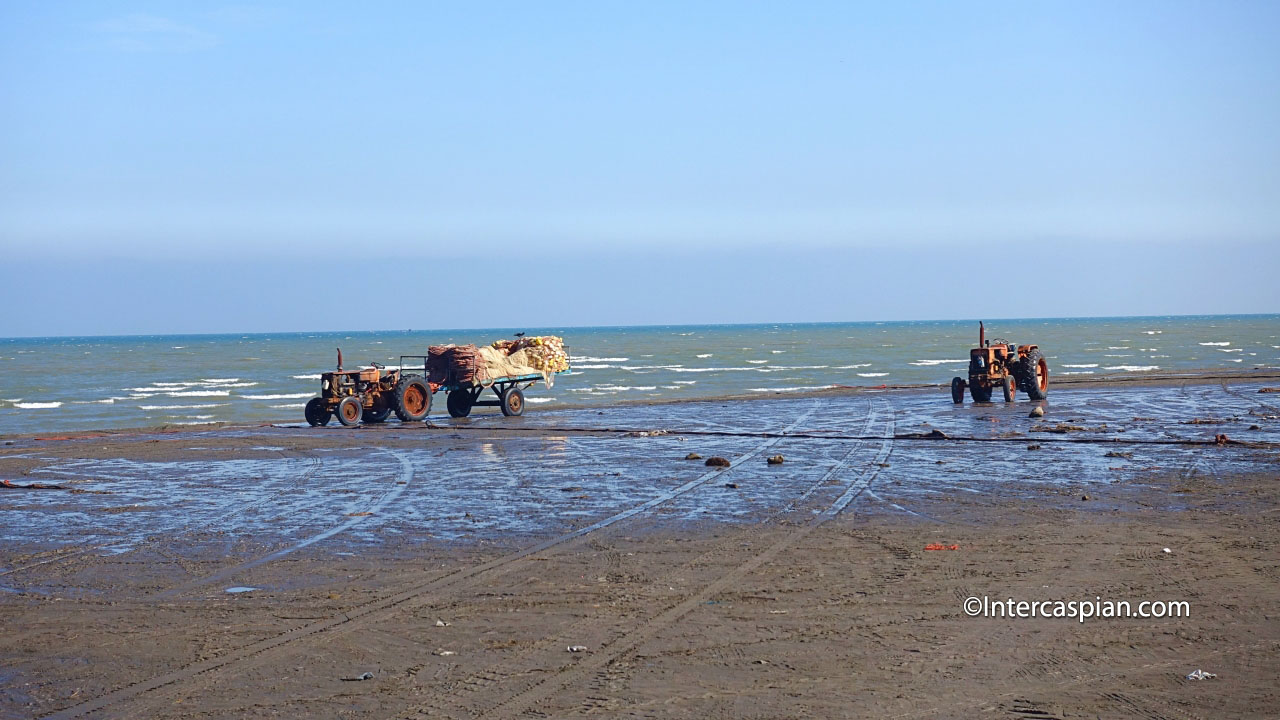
[(490, 476)]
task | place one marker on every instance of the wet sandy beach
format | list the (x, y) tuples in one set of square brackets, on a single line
[(457, 561)]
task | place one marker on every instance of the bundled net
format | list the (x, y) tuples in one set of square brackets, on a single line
[(543, 356), (454, 364), (544, 353), (469, 365)]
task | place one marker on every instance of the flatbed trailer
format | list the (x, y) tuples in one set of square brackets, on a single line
[(462, 396)]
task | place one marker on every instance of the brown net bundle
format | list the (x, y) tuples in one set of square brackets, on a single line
[(454, 364)]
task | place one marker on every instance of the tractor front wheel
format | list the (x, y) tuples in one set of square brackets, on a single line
[(957, 390), (1034, 379), (349, 411), (317, 412)]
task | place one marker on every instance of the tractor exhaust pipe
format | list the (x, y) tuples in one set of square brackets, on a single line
[(982, 339), (339, 358)]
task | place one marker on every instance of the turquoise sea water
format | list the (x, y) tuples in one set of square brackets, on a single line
[(62, 384)]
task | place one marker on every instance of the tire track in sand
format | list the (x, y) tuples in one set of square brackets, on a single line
[(599, 662), (407, 599)]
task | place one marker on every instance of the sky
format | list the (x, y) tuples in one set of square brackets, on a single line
[(197, 167)]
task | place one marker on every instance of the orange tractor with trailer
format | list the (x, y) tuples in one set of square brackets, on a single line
[(1001, 364)]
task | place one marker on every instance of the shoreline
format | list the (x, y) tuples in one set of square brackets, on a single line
[(1193, 377)]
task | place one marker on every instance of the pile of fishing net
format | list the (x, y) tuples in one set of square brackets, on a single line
[(544, 353), (469, 365), (454, 364)]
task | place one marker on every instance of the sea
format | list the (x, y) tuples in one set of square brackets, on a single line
[(60, 384)]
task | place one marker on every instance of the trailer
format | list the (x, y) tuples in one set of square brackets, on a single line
[(461, 396)]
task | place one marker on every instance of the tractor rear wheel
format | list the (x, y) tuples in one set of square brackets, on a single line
[(1008, 387), (349, 411), (1034, 378), (459, 403), (412, 399), (378, 414), (513, 402), (317, 412), (957, 390), (980, 393)]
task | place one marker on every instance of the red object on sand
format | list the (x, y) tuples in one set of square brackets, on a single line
[(940, 546)]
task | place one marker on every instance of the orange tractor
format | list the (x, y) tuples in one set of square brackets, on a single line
[(1000, 363), (368, 395)]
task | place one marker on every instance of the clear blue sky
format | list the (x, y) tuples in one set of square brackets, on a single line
[(187, 167)]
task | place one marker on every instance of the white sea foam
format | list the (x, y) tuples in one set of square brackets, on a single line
[(179, 347), (200, 417), (315, 376), (872, 374), (777, 352), (650, 367), (220, 380), (172, 384), (848, 367), (37, 405), (1117, 355), (1153, 332), (1119, 347), (1223, 344), (289, 406), (684, 382), (221, 386), (1132, 368), (286, 396), (105, 401), (588, 358), (712, 369), (1230, 349), (704, 355), (199, 393), (181, 407), (757, 362), (793, 389), (1077, 372), (592, 367), (1086, 365), (12, 400), (927, 363), (536, 400), (775, 368), (621, 388), (193, 422)]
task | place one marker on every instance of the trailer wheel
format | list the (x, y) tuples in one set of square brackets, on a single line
[(459, 403), (1009, 389), (413, 399), (349, 411), (317, 412), (376, 415), (513, 402), (957, 390), (1035, 375), (980, 393)]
